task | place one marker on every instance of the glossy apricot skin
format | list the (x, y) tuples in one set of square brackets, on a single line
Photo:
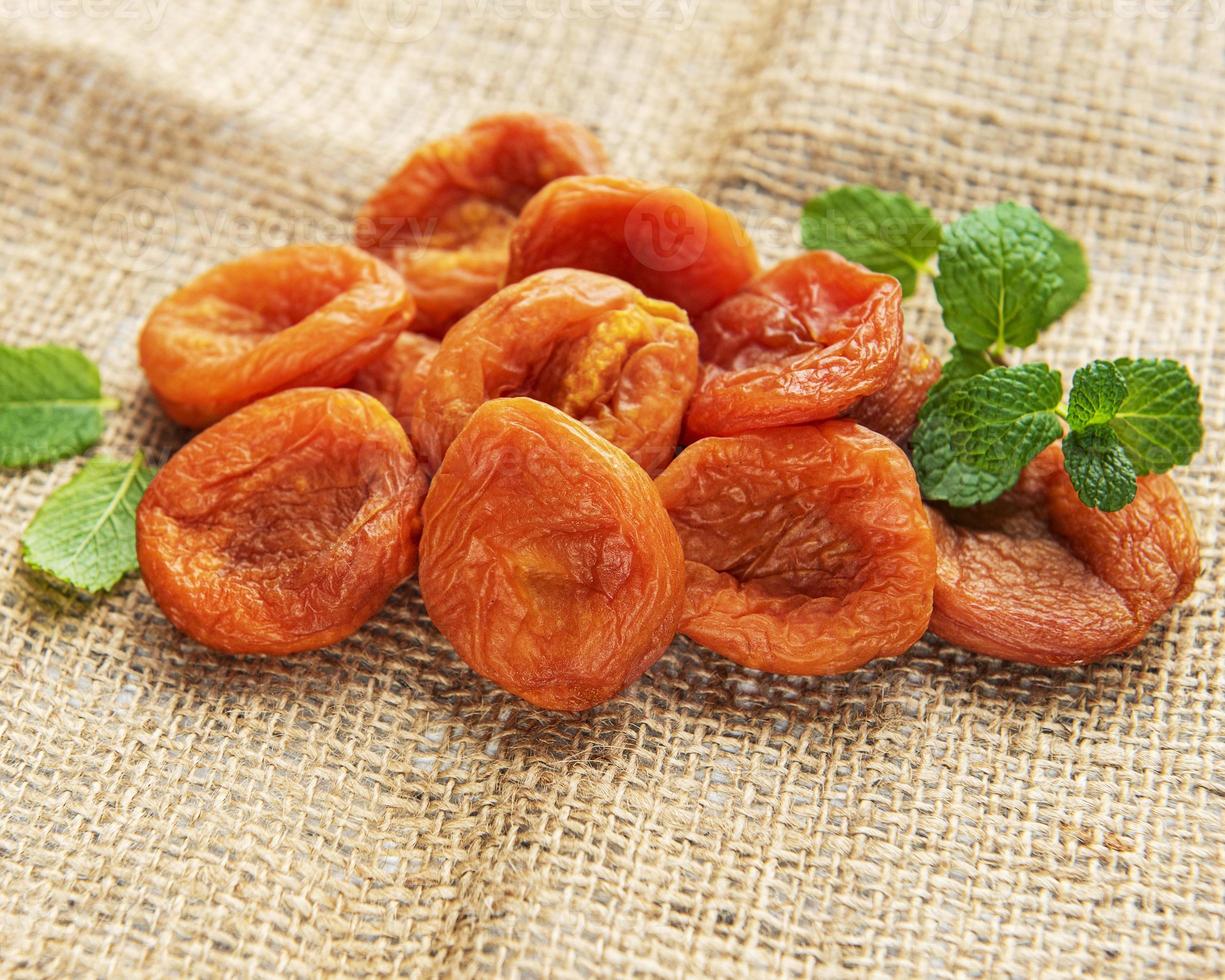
[(1038, 577), (894, 410), (588, 344), (548, 560), (397, 378), (444, 219), (298, 316), (801, 343), (671, 244), (807, 548), (286, 525)]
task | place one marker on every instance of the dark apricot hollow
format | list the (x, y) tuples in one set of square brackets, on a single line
[(443, 221), (397, 378), (292, 317), (807, 549), (802, 343), (588, 344), (1038, 577), (669, 243), (894, 410), (548, 560), (286, 525)]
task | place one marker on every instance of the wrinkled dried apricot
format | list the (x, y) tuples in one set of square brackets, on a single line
[(444, 219), (548, 560), (588, 344), (801, 343), (1037, 576), (807, 549), (291, 317), (286, 525), (397, 378), (894, 410), (668, 242)]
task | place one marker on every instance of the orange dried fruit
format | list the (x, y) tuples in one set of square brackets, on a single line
[(669, 243), (1038, 577), (807, 549), (286, 525), (588, 344), (801, 343), (397, 378), (548, 560), (298, 316), (444, 219), (894, 410)]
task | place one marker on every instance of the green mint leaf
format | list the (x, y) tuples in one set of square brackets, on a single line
[(51, 404), (1073, 275), (972, 444), (1098, 389), (998, 271), (888, 233), (85, 532), (1159, 422), (961, 364), (1098, 467)]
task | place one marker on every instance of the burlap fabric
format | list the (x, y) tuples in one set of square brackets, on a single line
[(378, 809)]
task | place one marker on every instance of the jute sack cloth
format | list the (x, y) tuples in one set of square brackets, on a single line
[(378, 809)]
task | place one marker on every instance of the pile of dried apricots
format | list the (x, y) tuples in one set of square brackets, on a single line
[(517, 388)]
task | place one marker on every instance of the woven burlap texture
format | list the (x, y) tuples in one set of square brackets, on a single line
[(378, 809)]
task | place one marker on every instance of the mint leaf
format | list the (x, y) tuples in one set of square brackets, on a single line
[(998, 271), (51, 404), (888, 233), (1098, 389), (962, 364), (1098, 467), (85, 532), (1159, 422), (972, 443), (1073, 275)]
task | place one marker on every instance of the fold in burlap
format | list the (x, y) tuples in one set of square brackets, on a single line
[(378, 808)]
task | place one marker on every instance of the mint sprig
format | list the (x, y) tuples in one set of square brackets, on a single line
[(1005, 275), (1125, 418)]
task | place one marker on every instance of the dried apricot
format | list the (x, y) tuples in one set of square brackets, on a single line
[(1037, 576), (807, 550), (803, 342), (397, 378), (292, 317), (286, 525), (668, 242), (444, 219), (548, 560), (588, 344), (894, 410)]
